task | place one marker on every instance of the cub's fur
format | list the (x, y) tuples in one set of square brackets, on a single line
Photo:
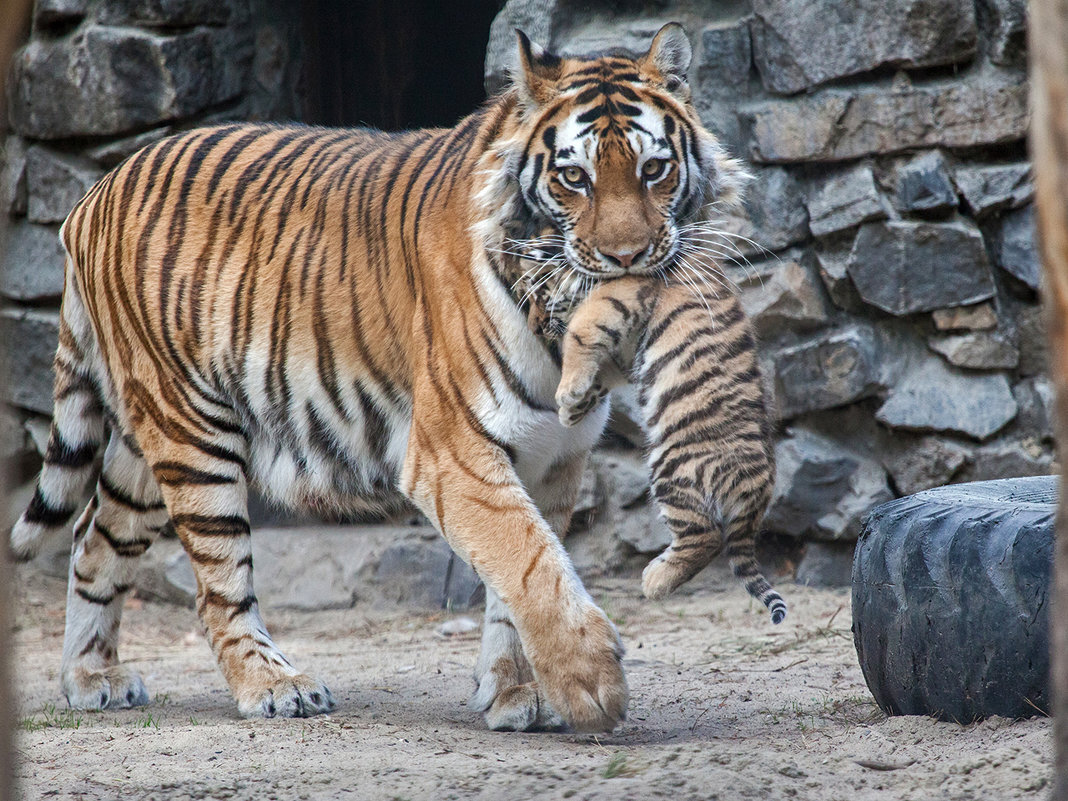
[(325, 313), (691, 353)]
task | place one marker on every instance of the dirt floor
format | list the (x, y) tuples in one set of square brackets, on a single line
[(723, 706)]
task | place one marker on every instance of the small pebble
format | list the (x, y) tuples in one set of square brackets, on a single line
[(459, 625)]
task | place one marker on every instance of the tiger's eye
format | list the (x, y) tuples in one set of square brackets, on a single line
[(653, 169), (574, 176)]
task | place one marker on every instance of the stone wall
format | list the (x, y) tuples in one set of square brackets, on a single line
[(887, 254), (97, 80)]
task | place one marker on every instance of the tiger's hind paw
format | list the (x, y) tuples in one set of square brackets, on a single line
[(522, 707), (115, 687)]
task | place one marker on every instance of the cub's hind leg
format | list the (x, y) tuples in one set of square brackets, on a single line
[(507, 694), (123, 518), (201, 472)]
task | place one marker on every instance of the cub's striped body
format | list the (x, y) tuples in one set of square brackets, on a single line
[(691, 353), (323, 313)]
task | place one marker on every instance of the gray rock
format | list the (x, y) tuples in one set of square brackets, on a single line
[(797, 47), (936, 397), (923, 185), (13, 176), (916, 464), (1008, 35), (55, 182), (1037, 402), (625, 420), (726, 59), (1017, 249), (103, 80), (980, 317), (783, 295), (166, 13), (535, 18), (111, 153), (30, 337), (775, 205), (52, 12), (822, 490), (330, 567), (906, 267), (1031, 338), (840, 124), (982, 350), (833, 266), (627, 516), (31, 269), (990, 189), (12, 435), (1010, 458), (831, 370), (845, 200), (826, 564)]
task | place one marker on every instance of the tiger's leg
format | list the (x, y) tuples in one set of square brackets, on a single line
[(123, 518), (203, 481), (507, 692)]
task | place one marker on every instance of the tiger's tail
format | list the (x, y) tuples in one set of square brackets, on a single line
[(76, 435)]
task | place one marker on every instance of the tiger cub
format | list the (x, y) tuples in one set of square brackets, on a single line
[(692, 355), (325, 315)]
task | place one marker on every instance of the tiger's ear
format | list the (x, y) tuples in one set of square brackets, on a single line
[(671, 54), (538, 72)]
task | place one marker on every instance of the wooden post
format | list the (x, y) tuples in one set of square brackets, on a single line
[(14, 16), (1048, 20)]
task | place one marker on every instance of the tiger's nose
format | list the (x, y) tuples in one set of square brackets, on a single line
[(624, 258)]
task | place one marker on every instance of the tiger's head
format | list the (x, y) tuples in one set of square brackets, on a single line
[(611, 156)]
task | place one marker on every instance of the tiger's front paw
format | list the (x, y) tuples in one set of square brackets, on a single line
[(584, 681), (296, 696), (116, 687), (577, 397)]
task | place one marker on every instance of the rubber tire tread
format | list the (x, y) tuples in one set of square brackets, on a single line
[(951, 591)]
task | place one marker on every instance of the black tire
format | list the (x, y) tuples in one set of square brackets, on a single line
[(951, 589)]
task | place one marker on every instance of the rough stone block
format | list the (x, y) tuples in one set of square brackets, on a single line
[(841, 124), (1037, 403), (831, 370), (990, 189), (55, 12), (13, 176), (833, 267), (797, 47), (775, 205), (31, 338), (166, 13), (923, 185), (1031, 337), (12, 435), (1007, 20), (980, 317), (111, 153), (726, 58), (783, 295), (845, 200), (103, 80), (55, 182), (31, 269), (1010, 457), (982, 350), (826, 564), (906, 267), (822, 489), (1016, 250), (916, 464), (936, 397)]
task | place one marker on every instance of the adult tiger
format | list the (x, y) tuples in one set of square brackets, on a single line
[(322, 312)]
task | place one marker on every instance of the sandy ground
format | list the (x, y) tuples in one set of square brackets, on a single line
[(723, 706)]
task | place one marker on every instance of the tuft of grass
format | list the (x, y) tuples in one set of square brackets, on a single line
[(617, 766), (148, 721), (51, 718)]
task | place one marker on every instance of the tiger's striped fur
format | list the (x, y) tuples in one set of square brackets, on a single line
[(692, 355), (323, 313)]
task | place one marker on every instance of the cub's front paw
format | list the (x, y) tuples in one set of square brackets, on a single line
[(576, 399), (584, 680)]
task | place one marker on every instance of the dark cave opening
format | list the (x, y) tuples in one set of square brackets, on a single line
[(394, 64)]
